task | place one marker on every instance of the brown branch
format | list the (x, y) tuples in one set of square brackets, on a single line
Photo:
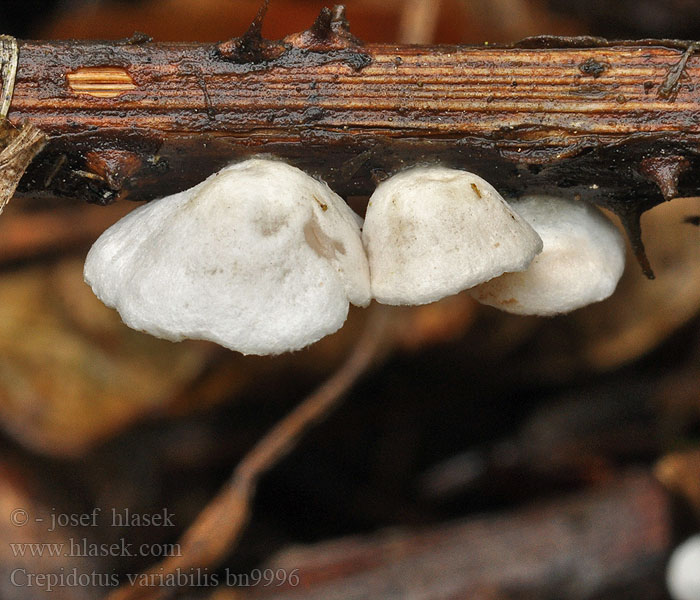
[(142, 120), (220, 524), (147, 119)]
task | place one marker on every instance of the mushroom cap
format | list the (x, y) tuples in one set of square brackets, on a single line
[(260, 258), (582, 260), (683, 572), (431, 232)]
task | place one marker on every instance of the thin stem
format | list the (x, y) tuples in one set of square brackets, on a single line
[(220, 524)]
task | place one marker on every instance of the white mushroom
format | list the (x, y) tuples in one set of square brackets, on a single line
[(683, 572), (431, 232), (260, 258), (582, 260)]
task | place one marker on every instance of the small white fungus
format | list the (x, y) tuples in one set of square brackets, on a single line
[(582, 260), (431, 232), (260, 258), (683, 572)]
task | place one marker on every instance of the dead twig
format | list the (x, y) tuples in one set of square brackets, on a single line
[(220, 524), (549, 113), (153, 119)]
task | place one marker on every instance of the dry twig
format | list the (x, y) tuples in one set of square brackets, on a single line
[(141, 119), (220, 524)]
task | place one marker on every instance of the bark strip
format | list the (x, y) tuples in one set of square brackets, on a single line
[(20, 148)]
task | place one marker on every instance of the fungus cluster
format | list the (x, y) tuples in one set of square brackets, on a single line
[(262, 258)]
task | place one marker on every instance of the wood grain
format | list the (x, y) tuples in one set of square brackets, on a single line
[(580, 118)]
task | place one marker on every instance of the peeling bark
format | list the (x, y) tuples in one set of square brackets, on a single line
[(18, 150)]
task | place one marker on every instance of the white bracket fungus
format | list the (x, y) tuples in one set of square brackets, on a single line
[(582, 260), (260, 258), (431, 232)]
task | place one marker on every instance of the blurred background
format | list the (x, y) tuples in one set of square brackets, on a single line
[(528, 444), (445, 21)]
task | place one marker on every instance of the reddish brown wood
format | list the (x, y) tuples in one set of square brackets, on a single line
[(533, 116), (579, 116), (595, 546)]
